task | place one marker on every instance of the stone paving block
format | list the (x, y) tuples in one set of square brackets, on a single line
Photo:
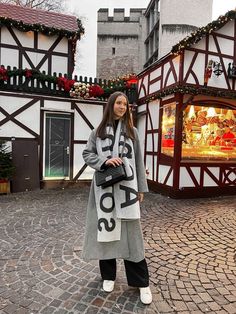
[(230, 308), (92, 310), (55, 303), (47, 310), (163, 307)]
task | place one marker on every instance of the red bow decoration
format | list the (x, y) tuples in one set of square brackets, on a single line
[(65, 83), (131, 80)]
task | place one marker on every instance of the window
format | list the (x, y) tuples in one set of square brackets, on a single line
[(168, 129), (209, 133), (113, 50)]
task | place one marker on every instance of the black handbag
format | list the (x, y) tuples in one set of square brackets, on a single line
[(111, 175)]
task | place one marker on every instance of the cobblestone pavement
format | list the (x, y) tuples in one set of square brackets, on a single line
[(190, 249)]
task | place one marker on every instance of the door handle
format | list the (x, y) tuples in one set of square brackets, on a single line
[(68, 150)]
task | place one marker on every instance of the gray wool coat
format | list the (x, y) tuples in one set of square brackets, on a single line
[(130, 246)]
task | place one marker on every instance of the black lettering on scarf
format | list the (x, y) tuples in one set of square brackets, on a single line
[(106, 209), (110, 147), (106, 224), (128, 154), (128, 192)]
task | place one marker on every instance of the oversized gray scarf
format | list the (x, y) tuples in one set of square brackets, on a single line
[(119, 201)]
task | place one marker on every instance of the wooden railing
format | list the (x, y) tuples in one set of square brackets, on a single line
[(39, 82)]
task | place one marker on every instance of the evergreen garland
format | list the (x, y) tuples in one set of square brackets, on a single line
[(46, 30), (197, 35), (208, 91)]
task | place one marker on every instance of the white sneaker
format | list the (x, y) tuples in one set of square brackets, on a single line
[(145, 295), (108, 285)]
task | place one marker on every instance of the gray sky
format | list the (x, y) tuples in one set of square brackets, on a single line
[(87, 9)]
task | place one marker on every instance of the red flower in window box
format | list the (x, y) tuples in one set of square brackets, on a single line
[(3, 74), (28, 73), (65, 83), (95, 91)]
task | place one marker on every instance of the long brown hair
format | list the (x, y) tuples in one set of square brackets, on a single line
[(108, 117)]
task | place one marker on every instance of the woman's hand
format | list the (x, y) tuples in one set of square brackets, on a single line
[(140, 197), (114, 162)]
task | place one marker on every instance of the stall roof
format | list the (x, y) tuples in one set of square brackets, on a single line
[(197, 35), (33, 17)]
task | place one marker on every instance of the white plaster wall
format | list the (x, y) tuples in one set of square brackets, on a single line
[(9, 57), (142, 108), (152, 142), (79, 162), (212, 45), (6, 37), (227, 29), (163, 170), (207, 180), (149, 143), (171, 79), (26, 38), (57, 105), (226, 46), (29, 117), (176, 63), (154, 74), (11, 104), (81, 128), (198, 69), (155, 168), (155, 87), (35, 58), (145, 83), (185, 179), (141, 126), (154, 107), (62, 46), (59, 64), (94, 113), (149, 167), (45, 42), (11, 129)]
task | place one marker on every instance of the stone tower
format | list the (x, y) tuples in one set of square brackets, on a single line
[(178, 18), (120, 43)]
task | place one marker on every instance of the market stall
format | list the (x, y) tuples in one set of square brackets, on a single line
[(188, 99)]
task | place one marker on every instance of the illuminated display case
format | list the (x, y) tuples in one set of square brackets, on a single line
[(168, 129), (209, 133)]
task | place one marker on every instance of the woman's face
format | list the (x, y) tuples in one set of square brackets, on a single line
[(120, 107)]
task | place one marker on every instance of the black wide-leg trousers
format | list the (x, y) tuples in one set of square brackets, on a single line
[(136, 273)]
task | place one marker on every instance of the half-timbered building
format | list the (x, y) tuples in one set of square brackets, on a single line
[(187, 114), (45, 128)]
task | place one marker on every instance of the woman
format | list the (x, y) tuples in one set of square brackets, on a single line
[(113, 216)]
